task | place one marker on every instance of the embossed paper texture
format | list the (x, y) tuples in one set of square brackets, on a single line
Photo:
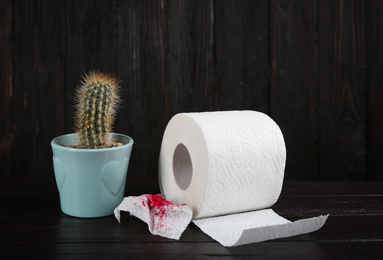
[(256, 226), (237, 162), (222, 164)]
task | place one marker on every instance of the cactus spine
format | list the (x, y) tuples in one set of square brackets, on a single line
[(97, 101)]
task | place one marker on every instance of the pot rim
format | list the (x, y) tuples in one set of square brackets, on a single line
[(57, 145)]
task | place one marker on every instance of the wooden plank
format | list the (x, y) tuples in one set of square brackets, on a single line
[(140, 64), (268, 250), (290, 207), (292, 85), (374, 48), (108, 230), (6, 86), (241, 55), (53, 43), (189, 56), (38, 86), (353, 230), (21, 229), (325, 188), (295, 207), (89, 43), (340, 90)]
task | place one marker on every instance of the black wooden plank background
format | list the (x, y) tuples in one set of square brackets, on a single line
[(314, 66)]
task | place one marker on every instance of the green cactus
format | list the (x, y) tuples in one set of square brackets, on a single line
[(97, 100)]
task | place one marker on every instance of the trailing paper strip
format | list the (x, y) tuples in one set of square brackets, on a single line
[(256, 226)]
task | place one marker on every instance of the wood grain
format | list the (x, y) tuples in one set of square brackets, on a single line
[(140, 63), (6, 86), (39, 229), (341, 97), (374, 70), (189, 56), (241, 55), (89, 36), (38, 86), (314, 66), (292, 86)]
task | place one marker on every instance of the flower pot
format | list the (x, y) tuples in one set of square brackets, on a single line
[(91, 182)]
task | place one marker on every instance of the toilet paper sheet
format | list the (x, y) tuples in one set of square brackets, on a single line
[(255, 226), (224, 163)]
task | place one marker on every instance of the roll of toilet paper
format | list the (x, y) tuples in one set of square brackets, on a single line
[(228, 168), (220, 163)]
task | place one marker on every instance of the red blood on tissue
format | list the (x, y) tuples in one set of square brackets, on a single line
[(157, 201), (163, 217), (158, 206)]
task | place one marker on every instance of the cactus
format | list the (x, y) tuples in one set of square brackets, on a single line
[(97, 100)]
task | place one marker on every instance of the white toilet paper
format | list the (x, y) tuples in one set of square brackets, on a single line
[(220, 163), (255, 226)]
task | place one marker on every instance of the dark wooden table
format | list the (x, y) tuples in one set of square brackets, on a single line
[(32, 226)]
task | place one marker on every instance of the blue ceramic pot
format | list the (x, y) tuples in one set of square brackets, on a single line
[(91, 182)]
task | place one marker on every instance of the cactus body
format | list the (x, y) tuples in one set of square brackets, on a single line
[(97, 101)]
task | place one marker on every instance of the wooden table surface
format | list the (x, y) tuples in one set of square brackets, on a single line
[(33, 226)]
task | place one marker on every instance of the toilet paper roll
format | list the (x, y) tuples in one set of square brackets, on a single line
[(220, 163), (227, 166)]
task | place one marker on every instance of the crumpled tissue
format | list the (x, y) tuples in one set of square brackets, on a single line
[(163, 217)]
